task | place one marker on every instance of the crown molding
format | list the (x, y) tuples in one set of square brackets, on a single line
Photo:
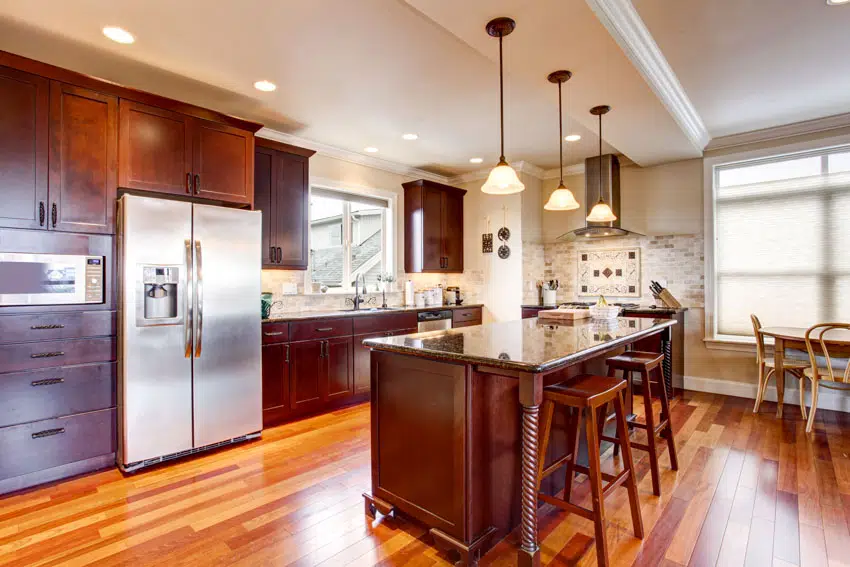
[(519, 166), (529, 168), (352, 157), (778, 132), (625, 25), (576, 169)]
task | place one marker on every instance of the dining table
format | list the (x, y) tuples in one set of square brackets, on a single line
[(794, 338)]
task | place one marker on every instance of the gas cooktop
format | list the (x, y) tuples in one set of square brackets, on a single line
[(589, 304)]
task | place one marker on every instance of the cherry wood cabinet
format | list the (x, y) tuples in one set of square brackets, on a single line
[(363, 355), (339, 368), (433, 232), (24, 109), (282, 193), (83, 159), (306, 365), (169, 152), (275, 383)]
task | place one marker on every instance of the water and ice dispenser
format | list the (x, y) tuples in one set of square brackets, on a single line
[(159, 303)]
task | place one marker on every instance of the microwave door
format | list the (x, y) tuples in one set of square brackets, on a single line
[(50, 279)]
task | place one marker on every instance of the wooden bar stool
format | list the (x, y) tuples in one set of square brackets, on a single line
[(647, 364), (586, 394)]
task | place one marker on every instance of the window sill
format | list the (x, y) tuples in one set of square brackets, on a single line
[(742, 344)]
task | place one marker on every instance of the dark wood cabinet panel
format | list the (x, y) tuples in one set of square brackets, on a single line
[(339, 366), (466, 317), (282, 192), (362, 366), (292, 196), (306, 366), (433, 236), (24, 109), (83, 159), (275, 383), (59, 325), (275, 333), (155, 149), (365, 324), (223, 162), (264, 185), (320, 328), (30, 356)]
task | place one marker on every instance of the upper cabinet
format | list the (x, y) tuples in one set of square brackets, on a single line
[(433, 227), (24, 109), (282, 193), (169, 152)]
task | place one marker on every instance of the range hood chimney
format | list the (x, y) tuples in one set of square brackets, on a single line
[(608, 166)]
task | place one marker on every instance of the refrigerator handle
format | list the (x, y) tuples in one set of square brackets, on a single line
[(199, 293), (188, 321)]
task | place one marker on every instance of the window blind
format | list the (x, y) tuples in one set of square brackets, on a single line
[(376, 202), (782, 249)]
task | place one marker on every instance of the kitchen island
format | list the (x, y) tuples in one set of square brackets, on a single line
[(455, 422)]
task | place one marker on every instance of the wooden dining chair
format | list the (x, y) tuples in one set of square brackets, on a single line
[(767, 368), (829, 373)]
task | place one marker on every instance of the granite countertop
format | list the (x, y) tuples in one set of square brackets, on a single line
[(641, 310), (528, 345), (286, 316)]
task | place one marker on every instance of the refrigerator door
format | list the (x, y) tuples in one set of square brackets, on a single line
[(155, 368), (227, 370)]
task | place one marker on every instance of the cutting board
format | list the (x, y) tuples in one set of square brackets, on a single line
[(564, 314)]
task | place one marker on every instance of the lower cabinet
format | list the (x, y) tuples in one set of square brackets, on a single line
[(362, 358), (305, 367), (339, 368), (275, 383)]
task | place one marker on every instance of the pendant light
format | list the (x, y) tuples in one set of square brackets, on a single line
[(503, 179), (601, 212), (562, 199)]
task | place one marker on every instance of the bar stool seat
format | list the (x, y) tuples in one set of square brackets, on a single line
[(647, 364), (585, 394)]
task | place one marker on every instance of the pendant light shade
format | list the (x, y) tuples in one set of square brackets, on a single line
[(502, 180), (562, 199), (601, 211)]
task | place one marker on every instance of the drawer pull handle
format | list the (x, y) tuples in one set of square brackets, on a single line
[(48, 433), (276, 334), (324, 329), (43, 327), (47, 354), (47, 382)]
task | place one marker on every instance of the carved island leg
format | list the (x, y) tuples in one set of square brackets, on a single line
[(531, 395)]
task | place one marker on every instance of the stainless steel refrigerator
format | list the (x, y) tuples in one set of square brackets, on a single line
[(189, 328)]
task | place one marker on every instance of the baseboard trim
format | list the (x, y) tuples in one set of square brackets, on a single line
[(827, 399)]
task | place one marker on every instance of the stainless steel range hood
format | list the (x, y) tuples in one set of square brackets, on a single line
[(608, 166)]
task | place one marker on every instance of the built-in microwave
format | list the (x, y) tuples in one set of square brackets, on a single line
[(50, 279)]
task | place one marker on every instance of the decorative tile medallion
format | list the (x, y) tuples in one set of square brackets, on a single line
[(609, 272)]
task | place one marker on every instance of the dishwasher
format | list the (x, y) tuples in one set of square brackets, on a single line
[(434, 320)]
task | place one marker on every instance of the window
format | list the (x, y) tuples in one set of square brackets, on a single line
[(349, 238), (781, 241)]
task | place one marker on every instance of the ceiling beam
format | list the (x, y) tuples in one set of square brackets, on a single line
[(625, 25)]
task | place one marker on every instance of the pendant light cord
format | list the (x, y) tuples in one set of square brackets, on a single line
[(601, 200), (560, 133), (501, 101)]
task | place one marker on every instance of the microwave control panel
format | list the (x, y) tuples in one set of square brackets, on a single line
[(94, 279)]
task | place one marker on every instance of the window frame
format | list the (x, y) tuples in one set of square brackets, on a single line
[(389, 227), (710, 172)]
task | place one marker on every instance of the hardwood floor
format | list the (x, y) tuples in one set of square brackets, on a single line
[(751, 490)]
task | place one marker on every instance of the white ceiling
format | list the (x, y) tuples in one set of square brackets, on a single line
[(352, 74), (753, 64)]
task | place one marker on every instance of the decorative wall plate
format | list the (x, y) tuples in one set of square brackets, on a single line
[(504, 234), (487, 243), (504, 251)]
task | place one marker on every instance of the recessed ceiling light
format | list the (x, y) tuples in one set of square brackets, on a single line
[(265, 86), (475, 160), (119, 35), (837, 2), (410, 137), (572, 138), (370, 150)]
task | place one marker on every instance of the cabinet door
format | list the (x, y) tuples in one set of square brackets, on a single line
[(432, 245), (338, 357), (292, 211), (223, 163), (307, 369), (264, 176), (83, 159), (154, 149), (24, 107), (275, 383), (451, 223), (362, 368)]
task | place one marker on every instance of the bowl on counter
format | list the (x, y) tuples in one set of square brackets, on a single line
[(604, 312)]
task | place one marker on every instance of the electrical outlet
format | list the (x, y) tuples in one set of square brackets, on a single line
[(289, 288)]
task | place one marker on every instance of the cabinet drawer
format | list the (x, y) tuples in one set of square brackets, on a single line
[(54, 392), (274, 333), (53, 442), (366, 324), (46, 354), (470, 316), (46, 327), (320, 329)]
